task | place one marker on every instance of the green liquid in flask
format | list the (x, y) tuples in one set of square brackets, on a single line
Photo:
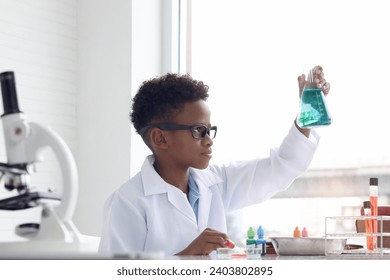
[(313, 109)]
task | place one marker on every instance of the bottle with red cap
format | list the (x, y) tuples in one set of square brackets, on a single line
[(305, 232)]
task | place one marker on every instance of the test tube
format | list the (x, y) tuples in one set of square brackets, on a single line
[(369, 226)]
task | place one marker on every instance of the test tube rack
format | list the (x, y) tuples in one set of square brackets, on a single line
[(346, 227)]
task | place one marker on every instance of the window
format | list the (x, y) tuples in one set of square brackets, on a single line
[(250, 53)]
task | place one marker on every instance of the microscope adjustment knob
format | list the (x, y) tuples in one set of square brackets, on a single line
[(19, 131), (27, 229)]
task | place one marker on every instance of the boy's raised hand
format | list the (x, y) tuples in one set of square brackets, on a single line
[(319, 80)]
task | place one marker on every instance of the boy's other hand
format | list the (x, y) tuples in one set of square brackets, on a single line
[(208, 241)]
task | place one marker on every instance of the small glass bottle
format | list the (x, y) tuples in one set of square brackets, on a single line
[(250, 242), (260, 241), (297, 232), (305, 232)]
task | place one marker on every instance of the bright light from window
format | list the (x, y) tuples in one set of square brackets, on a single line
[(250, 53)]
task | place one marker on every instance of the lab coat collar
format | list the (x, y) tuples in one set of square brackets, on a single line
[(154, 184)]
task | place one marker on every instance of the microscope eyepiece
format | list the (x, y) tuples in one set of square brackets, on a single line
[(8, 89)]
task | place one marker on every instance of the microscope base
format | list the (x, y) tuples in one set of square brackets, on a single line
[(53, 238)]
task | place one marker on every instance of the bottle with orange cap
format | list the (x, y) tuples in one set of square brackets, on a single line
[(297, 232)]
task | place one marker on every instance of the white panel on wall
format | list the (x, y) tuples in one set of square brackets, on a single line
[(38, 41)]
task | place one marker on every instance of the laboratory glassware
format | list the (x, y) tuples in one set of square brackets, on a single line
[(313, 110)]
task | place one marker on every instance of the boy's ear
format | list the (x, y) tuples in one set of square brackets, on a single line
[(157, 138)]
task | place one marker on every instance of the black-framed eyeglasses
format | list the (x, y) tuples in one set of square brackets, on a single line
[(199, 131)]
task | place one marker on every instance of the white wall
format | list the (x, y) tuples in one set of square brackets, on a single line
[(104, 84), (120, 47)]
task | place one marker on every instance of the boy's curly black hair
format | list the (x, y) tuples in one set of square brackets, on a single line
[(160, 99)]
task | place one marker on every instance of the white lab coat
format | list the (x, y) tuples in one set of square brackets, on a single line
[(146, 214)]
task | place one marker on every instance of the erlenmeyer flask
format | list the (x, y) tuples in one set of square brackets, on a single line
[(313, 109)]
